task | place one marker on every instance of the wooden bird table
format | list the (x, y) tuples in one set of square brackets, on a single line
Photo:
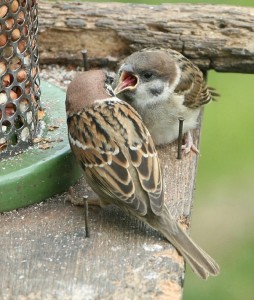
[(44, 253)]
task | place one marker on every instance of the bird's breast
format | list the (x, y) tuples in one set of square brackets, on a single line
[(162, 119)]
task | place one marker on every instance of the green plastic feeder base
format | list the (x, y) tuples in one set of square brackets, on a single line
[(38, 174)]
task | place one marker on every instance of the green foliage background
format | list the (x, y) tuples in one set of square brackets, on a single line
[(223, 213), (224, 207)]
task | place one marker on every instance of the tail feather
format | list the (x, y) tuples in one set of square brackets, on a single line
[(213, 93), (201, 263)]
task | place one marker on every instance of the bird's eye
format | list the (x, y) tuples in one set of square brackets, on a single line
[(148, 75)]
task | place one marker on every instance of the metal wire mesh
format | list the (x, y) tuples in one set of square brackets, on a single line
[(19, 78)]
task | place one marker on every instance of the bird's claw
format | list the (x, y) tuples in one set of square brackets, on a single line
[(188, 144)]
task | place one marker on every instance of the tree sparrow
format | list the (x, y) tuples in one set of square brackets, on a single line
[(120, 162), (163, 86)]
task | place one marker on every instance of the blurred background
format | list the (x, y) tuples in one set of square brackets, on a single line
[(223, 213)]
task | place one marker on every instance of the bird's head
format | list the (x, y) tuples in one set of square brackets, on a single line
[(86, 88), (146, 77)]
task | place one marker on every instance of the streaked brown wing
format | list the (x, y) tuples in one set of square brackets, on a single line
[(144, 158), (192, 83), (104, 163), (100, 142)]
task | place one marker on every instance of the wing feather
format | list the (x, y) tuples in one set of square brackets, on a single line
[(113, 146), (144, 158), (192, 83)]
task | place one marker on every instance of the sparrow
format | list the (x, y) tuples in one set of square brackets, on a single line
[(164, 86), (120, 162)]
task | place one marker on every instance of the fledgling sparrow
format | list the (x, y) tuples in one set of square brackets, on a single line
[(163, 86), (120, 162)]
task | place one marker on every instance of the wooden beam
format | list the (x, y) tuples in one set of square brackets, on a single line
[(215, 37), (45, 253)]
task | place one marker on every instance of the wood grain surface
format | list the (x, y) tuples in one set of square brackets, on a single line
[(215, 37), (44, 253)]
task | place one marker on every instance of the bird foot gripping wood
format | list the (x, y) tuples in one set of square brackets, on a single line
[(188, 144), (188, 141), (80, 201)]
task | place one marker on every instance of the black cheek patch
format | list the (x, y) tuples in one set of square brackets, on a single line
[(156, 91)]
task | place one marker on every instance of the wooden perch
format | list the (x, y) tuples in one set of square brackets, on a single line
[(45, 253), (215, 37)]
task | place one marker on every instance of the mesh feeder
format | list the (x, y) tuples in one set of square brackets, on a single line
[(35, 174), (19, 79)]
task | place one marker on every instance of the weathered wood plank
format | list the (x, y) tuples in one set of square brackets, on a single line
[(215, 37), (44, 253)]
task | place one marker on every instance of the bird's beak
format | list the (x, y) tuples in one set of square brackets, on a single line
[(127, 81)]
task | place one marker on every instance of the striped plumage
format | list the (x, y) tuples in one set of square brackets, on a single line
[(109, 139), (120, 161), (163, 86)]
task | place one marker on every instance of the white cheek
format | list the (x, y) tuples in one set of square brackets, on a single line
[(145, 98)]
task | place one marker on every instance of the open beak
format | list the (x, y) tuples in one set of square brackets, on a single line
[(127, 81)]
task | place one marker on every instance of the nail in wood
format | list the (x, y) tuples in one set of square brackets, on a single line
[(86, 216), (180, 139), (85, 60)]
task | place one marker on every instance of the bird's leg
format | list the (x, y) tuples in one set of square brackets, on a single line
[(76, 200), (188, 144), (73, 198)]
